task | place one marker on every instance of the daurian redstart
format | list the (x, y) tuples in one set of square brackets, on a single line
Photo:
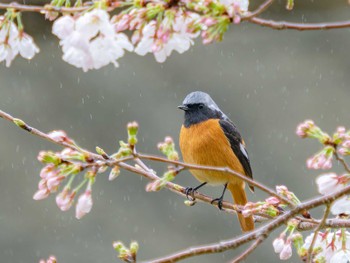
[(209, 137)]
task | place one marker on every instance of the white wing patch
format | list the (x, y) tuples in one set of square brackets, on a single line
[(243, 150)]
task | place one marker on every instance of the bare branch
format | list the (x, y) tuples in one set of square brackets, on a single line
[(219, 169), (298, 26), (318, 228), (43, 9), (342, 161), (249, 250), (262, 8)]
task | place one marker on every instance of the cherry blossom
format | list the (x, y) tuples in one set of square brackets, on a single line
[(329, 183), (278, 244), (322, 160), (64, 200), (14, 42), (90, 41), (171, 34), (341, 206), (84, 204), (341, 256)]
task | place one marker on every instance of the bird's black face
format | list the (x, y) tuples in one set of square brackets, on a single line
[(198, 112)]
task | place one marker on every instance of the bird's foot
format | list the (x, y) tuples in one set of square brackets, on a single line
[(189, 191), (219, 200)]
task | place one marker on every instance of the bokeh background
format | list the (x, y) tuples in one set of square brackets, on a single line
[(267, 81)]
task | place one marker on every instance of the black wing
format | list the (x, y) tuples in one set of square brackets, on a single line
[(237, 146)]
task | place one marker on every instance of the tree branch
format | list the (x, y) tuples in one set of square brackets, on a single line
[(249, 250), (280, 25), (43, 9), (262, 8), (219, 169), (318, 228), (258, 235), (264, 230)]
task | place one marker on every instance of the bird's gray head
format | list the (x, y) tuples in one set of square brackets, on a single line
[(198, 107)]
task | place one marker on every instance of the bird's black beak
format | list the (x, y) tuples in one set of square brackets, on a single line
[(183, 107)]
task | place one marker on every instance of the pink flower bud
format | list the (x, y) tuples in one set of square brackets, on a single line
[(237, 19), (64, 200), (54, 182), (52, 259), (343, 151), (346, 144), (209, 21), (58, 136), (154, 186), (44, 173), (304, 128), (42, 184), (278, 244), (286, 252), (168, 140), (84, 204), (41, 194), (281, 189), (273, 201)]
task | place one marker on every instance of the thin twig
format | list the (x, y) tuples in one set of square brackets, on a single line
[(219, 169), (342, 161), (249, 250), (318, 228), (280, 25), (43, 9), (262, 8)]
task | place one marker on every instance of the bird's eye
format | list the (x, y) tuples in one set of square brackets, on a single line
[(200, 106)]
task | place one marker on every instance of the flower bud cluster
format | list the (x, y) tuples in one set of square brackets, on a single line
[(126, 254), (51, 259), (269, 208), (283, 244), (168, 149), (321, 160), (64, 166), (283, 191), (158, 184)]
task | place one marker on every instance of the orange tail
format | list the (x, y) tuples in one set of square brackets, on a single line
[(240, 198)]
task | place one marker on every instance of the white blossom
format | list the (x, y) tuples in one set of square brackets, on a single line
[(63, 26), (235, 6), (278, 245), (341, 256), (341, 206), (27, 47), (90, 42), (170, 35), (328, 183)]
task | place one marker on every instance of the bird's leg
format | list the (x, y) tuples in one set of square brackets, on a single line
[(189, 191), (219, 200)]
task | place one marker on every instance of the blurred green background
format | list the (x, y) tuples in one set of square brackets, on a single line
[(267, 81)]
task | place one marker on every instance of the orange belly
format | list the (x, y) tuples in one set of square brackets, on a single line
[(206, 144)]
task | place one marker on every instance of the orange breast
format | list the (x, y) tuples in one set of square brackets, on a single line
[(206, 144)]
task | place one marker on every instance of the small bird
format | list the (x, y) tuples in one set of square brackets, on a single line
[(208, 137)]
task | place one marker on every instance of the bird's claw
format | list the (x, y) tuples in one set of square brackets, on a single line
[(219, 200), (189, 191)]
